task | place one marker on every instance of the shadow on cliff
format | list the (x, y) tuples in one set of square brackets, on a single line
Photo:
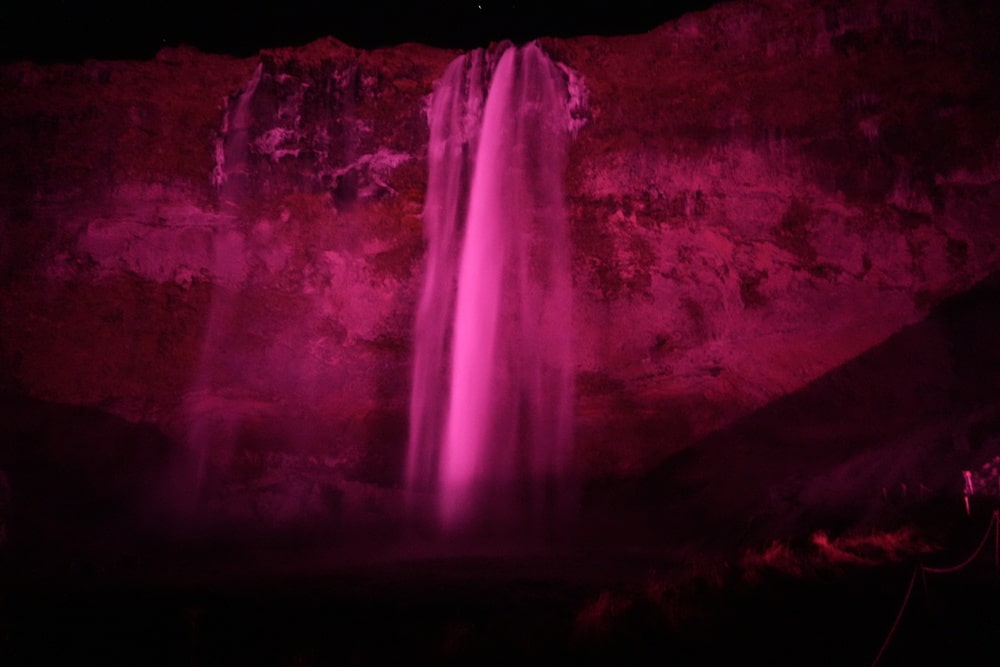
[(75, 483), (880, 440)]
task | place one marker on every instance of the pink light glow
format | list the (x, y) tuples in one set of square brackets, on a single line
[(505, 408), (474, 365)]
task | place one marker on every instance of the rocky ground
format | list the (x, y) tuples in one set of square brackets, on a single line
[(823, 602)]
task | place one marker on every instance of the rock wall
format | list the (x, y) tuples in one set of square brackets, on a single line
[(231, 249)]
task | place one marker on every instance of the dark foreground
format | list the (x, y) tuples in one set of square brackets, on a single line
[(810, 604)]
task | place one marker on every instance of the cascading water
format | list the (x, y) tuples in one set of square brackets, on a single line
[(231, 171), (207, 431), (491, 410)]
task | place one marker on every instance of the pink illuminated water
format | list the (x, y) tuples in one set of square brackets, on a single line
[(491, 411)]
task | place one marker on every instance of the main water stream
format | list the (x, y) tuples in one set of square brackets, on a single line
[(492, 402)]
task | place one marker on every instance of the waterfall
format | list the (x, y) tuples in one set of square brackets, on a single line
[(231, 171), (491, 409), (210, 431)]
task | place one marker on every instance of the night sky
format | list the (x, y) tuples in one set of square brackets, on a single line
[(72, 30)]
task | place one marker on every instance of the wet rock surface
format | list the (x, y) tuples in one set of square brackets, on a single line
[(758, 194)]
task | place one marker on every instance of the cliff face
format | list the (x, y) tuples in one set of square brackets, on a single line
[(764, 193), (231, 249)]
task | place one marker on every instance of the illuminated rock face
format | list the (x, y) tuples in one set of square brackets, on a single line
[(755, 196)]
